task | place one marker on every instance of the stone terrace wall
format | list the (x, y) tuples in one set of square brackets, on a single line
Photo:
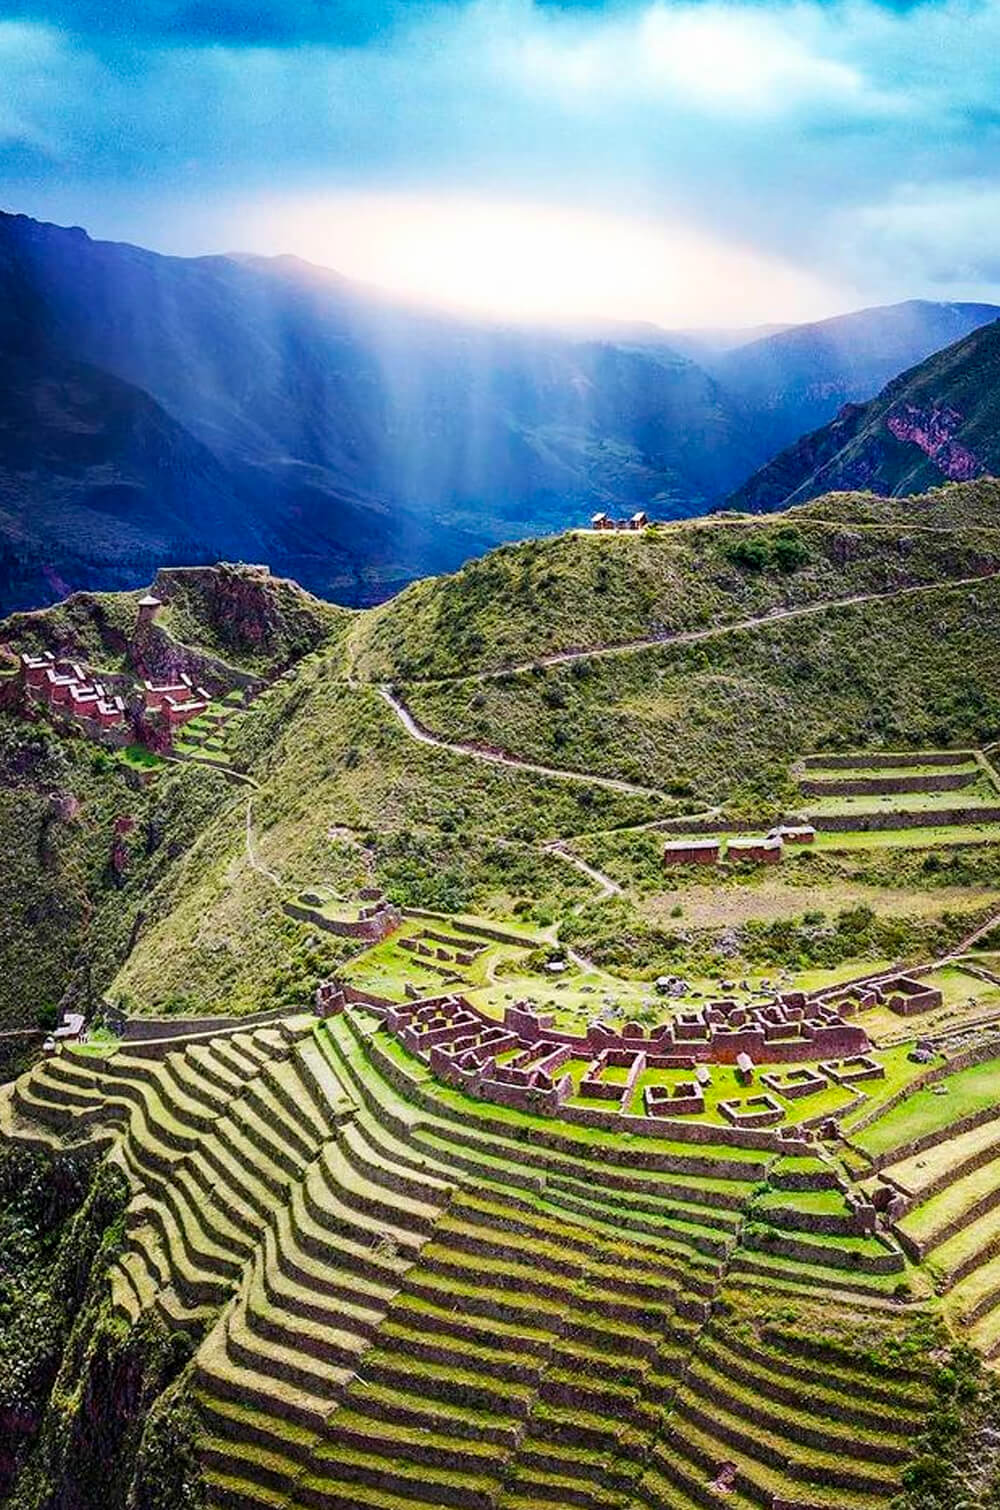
[(931, 818), (886, 761), (474, 930), (882, 786)]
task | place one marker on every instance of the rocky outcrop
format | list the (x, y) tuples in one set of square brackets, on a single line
[(934, 431)]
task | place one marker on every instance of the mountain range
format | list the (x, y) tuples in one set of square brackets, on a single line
[(158, 408), (940, 421)]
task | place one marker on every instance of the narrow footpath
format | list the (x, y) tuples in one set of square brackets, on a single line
[(714, 631), (500, 757)]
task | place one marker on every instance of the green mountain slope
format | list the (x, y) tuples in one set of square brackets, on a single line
[(940, 419), (283, 1264)]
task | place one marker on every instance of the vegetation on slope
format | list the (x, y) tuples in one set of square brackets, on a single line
[(83, 846), (346, 798), (76, 1386), (727, 715), (252, 620), (939, 419), (584, 590)]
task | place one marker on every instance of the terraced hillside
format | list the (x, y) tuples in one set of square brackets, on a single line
[(249, 1256), (403, 1299)]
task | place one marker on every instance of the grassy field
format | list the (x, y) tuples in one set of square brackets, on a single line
[(926, 1112)]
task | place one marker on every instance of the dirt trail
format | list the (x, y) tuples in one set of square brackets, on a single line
[(500, 757), (694, 636), (608, 886)]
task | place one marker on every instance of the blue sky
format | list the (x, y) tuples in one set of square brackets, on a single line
[(689, 163)]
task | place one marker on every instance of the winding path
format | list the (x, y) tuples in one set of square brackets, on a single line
[(713, 631), (501, 757), (609, 887)]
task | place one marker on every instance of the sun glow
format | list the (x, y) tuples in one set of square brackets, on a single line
[(524, 261)]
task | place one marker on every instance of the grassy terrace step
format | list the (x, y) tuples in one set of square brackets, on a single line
[(472, 1270), (226, 1491), (388, 1365), (334, 1302), (291, 1143), (324, 1280), (195, 1083), (218, 1226), (201, 1276), (778, 1379), (970, 1196), (581, 1428), (268, 1468), (412, 1310), (782, 1272), (922, 1173), (546, 1229), (399, 1405), (220, 1375), (338, 1346), (240, 1423), (232, 1132), (369, 1156), (374, 1272), (127, 1075), (395, 1210), (777, 1460), (232, 1191), (325, 1204), (325, 1085), (208, 1062), (978, 1293), (521, 1366), (682, 1235), (974, 1244), (271, 1360), (686, 1488), (434, 1484), (269, 1136), (47, 1104), (711, 1378), (689, 1440), (331, 1493), (386, 1439), (313, 1115), (234, 1054), (126, 1301), (544, 1489), (195, 1320), (985, 1335), (483, 1299)]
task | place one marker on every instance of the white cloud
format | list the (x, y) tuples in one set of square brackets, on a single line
[(741, 142), (526, 261), (730, 59)]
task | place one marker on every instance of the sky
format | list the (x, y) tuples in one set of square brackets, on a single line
[(693, 163)]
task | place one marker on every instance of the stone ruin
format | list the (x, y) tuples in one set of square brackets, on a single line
[(463, 1047)]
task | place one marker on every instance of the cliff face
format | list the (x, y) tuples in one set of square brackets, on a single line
[(91, 1413), (938, 422)]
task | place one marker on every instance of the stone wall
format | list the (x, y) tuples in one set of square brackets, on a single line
[(882, 786), (371, 929), (930, 818), (883, 761)]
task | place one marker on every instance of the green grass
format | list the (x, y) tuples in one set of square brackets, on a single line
[(679, 714), (923, 1113)]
